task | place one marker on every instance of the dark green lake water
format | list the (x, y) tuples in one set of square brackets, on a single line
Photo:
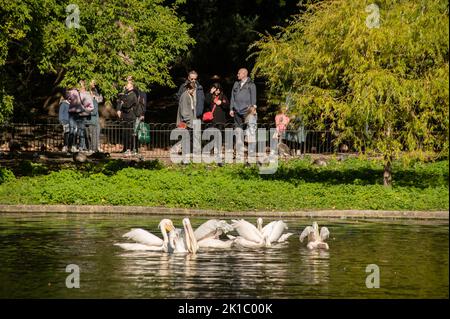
[(35, 249)]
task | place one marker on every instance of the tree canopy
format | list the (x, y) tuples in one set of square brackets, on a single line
[(102, 40), (381, 81)]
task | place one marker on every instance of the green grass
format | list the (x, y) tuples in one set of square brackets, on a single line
[(297, 185)]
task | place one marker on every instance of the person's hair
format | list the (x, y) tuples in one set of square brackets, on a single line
[(249, 110), (189, 86), (193, 72), (282, 109), (217, 86)]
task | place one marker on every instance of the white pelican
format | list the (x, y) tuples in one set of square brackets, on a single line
[(147, 241), (208, 233), (315, 240), (185, 241), (249, 235), (274, 230)]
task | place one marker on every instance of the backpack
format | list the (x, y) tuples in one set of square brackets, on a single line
[(142, 102)]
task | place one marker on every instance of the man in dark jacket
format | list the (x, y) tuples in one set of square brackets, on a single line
[(199, 96), (243, 95), (128, 110)]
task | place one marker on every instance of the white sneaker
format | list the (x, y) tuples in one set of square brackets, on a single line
[(73, 149), (64, 149)]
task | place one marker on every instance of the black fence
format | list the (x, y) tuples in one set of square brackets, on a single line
[(48, 137)]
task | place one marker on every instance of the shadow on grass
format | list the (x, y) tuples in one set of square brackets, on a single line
[(108, 167), (402, 176)]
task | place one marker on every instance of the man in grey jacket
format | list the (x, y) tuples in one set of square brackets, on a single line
[(199, 96), (243, 95)]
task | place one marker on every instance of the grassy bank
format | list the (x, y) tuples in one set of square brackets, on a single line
[(297, 185)]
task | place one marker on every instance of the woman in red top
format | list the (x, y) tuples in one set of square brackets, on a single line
[(219, 104)]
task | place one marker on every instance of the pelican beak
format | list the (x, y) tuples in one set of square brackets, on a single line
[(191, 241)]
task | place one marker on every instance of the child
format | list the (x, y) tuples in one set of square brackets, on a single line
[(281, 122), (251, 119)]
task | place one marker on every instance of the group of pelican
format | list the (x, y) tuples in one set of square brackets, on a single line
[(207, 235)]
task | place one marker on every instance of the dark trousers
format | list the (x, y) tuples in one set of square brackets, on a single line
[(128, 136), (239, 120), (92, 137)]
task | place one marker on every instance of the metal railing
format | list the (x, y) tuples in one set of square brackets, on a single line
[(48, 137)]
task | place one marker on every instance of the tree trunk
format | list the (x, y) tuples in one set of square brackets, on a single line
[(387, 175)]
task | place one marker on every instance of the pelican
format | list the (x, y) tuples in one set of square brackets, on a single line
[(147, 241), (184, 240), (249, 235), (315, 240), (208, 233), (273, 230)]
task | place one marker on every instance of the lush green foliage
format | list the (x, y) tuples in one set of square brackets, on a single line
[(386, 87), (6, 175), (115, 39), (351, 184)]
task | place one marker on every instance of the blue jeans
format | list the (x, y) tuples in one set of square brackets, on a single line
[(77, 134)]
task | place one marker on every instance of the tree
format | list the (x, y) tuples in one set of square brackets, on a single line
[(115, 39), (49, 43), (14, 25), (377, 74)]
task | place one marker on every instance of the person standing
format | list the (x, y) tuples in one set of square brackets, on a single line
[(87, 107), (281, 122), (199, 96), (251, 121), (186, 107), (243, 95), (81, 106), (128, 111), (218, 104), (74, 109), (63, 116), (93, 122)]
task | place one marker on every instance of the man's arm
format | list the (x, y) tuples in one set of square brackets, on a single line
[(181, 90), (232, 101), (253, 94)]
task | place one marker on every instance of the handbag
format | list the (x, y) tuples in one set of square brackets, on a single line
[(209, 116)]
